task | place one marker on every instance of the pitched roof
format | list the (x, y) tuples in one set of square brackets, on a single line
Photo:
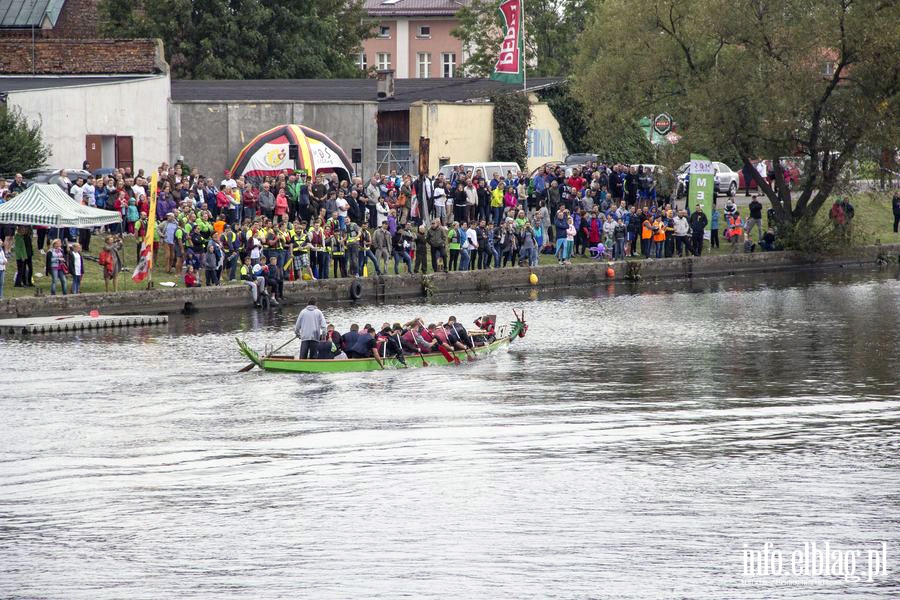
[(408, 8), (407, 91), (28, 13), (20, 84)]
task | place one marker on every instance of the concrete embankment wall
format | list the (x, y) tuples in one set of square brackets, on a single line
[(468, 285)]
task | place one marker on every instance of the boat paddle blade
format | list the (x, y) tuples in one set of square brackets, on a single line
[(247, 368), (446, 354)]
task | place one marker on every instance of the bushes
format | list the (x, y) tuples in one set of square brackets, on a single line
[(512, 115), (21, 144)]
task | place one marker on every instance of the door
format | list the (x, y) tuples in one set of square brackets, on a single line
[(93, 150), (124, 152)]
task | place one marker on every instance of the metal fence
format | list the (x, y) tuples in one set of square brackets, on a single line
[(395, 156)]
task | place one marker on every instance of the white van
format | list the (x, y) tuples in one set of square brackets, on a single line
[(487, 168)]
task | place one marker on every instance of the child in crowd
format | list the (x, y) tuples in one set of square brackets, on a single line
[(190, 278)]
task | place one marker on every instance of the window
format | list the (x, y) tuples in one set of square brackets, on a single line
[(828, 69), (384, 61), (361, 63), (448, 64), (424, 31), (384, 31), (423, 65)]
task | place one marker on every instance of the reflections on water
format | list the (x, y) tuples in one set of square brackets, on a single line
[(628, 447)]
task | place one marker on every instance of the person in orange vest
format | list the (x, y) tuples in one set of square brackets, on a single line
[(659, 237), (646, 235), (735, 231)]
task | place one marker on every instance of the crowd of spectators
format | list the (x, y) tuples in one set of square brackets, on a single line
[(296, 226)]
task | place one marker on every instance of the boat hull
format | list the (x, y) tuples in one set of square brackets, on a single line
[(286, 364)]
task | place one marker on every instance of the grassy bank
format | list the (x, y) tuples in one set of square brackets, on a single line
[(872, 224)]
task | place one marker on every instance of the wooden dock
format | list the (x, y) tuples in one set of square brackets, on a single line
[(73, 323)]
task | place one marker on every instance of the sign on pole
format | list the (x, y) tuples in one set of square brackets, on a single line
[(510, 66), (662, 124), (702, 178)]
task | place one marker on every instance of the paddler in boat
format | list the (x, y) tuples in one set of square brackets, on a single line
[(414, 338), (393, 345), (365, 346), (330, 346), (458, 336), (486, 324)]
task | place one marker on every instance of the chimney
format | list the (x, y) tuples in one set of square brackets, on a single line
[(385, 84)]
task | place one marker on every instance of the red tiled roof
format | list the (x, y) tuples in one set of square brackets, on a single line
[(410, 8)]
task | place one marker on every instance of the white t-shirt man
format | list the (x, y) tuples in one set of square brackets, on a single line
[(342, 206), (88, 194), (229, 183), (471, 239), (77, 193), (440, 197), (139, 191)]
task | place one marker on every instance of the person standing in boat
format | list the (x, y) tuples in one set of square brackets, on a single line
[(309, 328)]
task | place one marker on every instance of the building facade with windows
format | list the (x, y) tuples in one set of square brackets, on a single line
[(412, 38)]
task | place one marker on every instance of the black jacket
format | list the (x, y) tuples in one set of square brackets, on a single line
[(698, 222), (756, 209)]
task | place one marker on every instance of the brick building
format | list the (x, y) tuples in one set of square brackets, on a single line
[(412, 37), (100, 100), (49, 19)]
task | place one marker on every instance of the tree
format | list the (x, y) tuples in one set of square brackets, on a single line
[(752, 78), (512, 115), (551, 30), (21, 145), (246, 39)]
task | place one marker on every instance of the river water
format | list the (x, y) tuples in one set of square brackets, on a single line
[(628, 447)]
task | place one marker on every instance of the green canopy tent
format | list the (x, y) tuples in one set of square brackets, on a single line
[(47, 205)]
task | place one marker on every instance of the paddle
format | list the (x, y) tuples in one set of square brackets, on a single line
[(424, 362), (447, 355), (251, 365)]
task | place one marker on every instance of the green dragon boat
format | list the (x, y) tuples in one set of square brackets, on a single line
[(504, 337)]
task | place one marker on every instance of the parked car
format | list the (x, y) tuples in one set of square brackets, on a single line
[(551, 166), (793, 169), (726, 179), (582, 158), (487, 168), (48, 175)]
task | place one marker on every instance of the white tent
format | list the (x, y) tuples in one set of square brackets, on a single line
[(46, 204)]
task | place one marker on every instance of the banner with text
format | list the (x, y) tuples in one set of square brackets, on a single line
[(701, 179), (510, 67)]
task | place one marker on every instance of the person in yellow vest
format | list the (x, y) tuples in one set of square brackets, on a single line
[(284, 239), (353, 249), (735, 231), (338, 252), (646, 235)]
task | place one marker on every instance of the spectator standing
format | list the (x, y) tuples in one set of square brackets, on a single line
[(698, 223), (755, 218), (309, 328)]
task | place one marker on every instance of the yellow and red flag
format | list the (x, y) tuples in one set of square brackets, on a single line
[(145, 262)]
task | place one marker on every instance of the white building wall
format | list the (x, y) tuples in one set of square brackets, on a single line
[(402, 60), (134, 108)]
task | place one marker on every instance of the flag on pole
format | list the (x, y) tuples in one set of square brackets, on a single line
[(700, 185), (145, 263), (510, 67)]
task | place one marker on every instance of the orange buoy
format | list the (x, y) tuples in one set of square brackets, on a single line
[(610, 272)]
